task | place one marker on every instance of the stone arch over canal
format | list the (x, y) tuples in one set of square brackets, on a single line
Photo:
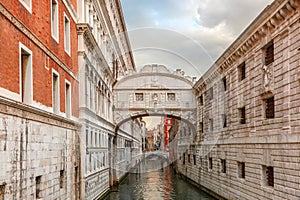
[(154, 91)]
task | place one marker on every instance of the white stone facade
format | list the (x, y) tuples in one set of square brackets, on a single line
[(249, 142), (154, 90), (104, 56), (38, 154)]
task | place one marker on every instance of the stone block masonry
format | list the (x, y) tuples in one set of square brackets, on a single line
[(249, 145), (38, 155)]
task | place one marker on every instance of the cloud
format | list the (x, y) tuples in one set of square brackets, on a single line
[(186, 34)]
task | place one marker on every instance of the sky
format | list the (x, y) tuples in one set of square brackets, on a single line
[(186, 34)]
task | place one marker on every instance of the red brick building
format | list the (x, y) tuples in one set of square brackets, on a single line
[(36, 34), (38, 99)]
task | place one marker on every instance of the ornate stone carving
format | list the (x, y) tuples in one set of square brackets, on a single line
[(267, 77)]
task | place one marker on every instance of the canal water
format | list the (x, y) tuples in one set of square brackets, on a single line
[(150, 182)]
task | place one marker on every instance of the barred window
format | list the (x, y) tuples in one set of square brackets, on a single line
[(269, 108), (269, 53), (171, 96), (242, 71), (242, 115), (139, 96)]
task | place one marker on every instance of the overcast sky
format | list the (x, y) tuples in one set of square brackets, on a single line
[(186, 34)]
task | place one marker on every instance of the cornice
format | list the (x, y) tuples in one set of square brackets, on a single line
[(136, 75), (18, 109), (264, 25)]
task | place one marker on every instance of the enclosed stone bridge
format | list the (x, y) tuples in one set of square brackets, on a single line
[(161, 154), (155, 91)]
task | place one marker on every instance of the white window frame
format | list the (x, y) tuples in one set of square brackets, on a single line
[(67, 47), (28, 7), (55, 37), (29, 98), (58, 92), (68, 104)]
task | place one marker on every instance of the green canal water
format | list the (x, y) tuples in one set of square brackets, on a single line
[(151, 182)]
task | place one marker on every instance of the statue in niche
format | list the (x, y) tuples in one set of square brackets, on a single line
[(155, 97), (267, 76)]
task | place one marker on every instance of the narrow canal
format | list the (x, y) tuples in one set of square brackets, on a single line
[(151, 182)]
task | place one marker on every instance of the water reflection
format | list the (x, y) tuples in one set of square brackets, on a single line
[(155, 185)]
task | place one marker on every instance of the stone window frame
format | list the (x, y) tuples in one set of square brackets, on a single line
[(241, 71), (54, 20), (211, 124), (268, 53), (211, 93), (224, 84), (26, 94), (201, 101), (68, 98), (38, 190), (139, 96), (268, 176), (171, 96), (241, 170), (242, 115), (67, 34), (27, 4), (224, 121), (210, 163), (223, 166), (269, 115), (56, 101), (2, 191), (61, 178)]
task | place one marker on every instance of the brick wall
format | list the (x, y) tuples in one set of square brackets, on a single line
[(33, 31)]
